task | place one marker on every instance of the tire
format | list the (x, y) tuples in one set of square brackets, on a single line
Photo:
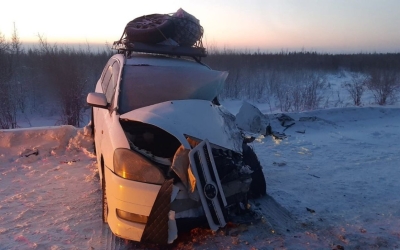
[(104, 200), (258, 186), (93, 130), (151, 29), (92, 123)]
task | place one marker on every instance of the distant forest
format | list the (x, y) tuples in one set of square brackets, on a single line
[(52, 79)]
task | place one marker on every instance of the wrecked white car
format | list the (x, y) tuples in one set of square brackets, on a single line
[(169, 156)]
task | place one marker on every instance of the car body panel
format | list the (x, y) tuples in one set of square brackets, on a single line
[(130, 196), (113, 137)]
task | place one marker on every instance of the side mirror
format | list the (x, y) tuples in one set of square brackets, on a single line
[(97, 100)]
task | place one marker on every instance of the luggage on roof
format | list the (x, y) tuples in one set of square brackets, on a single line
[(179, 34)]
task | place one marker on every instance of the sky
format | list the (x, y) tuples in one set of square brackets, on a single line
[(333, 26)]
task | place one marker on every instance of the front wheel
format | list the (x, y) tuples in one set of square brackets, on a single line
[(104, 200), (258, 186), (93, 131)]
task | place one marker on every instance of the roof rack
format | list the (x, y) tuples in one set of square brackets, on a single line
[(172, 50)]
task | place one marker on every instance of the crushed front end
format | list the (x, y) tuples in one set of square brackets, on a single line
[(206, 177)]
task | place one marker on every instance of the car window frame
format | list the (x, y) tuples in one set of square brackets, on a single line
[(110, 80), (117, 73)]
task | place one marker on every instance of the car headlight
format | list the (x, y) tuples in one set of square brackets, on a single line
[(133, 166)]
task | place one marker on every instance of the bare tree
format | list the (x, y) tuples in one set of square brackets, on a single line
[(7, 120), (282, 93), (384, 84), (356, 87), (18, 86), (9, 61), (300, 90), (66, 69)]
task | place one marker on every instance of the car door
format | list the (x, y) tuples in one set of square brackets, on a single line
[(104, 117)]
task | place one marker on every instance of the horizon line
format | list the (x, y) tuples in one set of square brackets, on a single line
[(223, 49)]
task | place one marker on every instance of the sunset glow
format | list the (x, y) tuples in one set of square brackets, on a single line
[(274, 25)]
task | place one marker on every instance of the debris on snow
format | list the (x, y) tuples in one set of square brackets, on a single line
[(250, 119), (279, 164), (310, 210), (28, 152)]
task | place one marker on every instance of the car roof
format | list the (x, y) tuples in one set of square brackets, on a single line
[(160, 60)]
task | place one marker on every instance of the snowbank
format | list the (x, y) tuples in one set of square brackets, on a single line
[(49, 188)]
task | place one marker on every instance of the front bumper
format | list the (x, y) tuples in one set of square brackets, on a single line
[(146, 207), (132, 197)]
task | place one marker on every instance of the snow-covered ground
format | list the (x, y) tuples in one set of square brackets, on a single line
[(339, 179), (336, 174)]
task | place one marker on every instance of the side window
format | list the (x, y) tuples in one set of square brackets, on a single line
[(106, 78), (113, 82), (110, 80)]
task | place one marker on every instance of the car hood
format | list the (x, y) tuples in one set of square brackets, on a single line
[(196, 118)]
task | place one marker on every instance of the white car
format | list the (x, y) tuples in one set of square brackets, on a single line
[(168, 154)]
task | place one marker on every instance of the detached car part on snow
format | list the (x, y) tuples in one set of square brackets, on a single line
[(168, 154)]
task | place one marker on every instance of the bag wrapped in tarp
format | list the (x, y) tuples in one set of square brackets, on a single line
[(181, 27)]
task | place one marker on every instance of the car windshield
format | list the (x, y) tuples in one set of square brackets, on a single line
[(145, 85)]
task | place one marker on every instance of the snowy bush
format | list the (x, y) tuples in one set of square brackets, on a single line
[(385, 85), (66, 70), (298, 91), (356, 87), (70, 72)]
